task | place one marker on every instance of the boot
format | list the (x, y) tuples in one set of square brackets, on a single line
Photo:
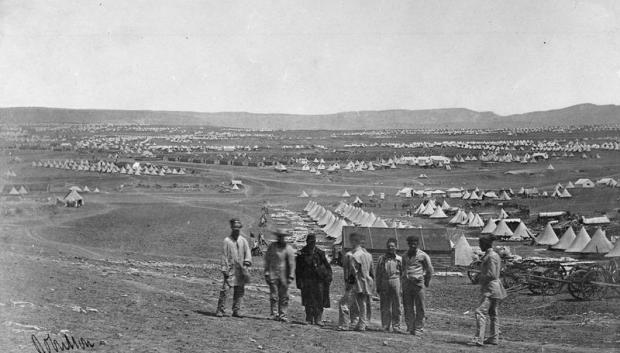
[(221, 302)]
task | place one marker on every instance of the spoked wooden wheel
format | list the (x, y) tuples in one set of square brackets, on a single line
[(591, 290), (574, 284)]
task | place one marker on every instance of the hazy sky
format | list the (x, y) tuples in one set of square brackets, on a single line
[(309, 56)]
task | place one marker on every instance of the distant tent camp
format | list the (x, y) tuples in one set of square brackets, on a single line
[(235, 187), (96, 190), (371, 193), (550, 167), (75, 188), (346, 194), (570, 185), (566, 240), (357, 201), (14, 192), (463, 253), (599, 244), (548, 237), (303, 194), (580, 242), (22, 190), (73, 199), (86, 189)]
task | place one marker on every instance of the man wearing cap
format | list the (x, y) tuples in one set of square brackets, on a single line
[(492, 292), (389, 271), (359, 283), (236, 260), (279, 273), (417, 272), (314, 275)]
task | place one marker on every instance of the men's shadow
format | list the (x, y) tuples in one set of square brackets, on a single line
[(245, 316)]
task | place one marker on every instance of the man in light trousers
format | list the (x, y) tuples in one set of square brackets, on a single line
[(279, 273), (389, 271), (417, 272), (491, 293), (236, 260), (354, 308)]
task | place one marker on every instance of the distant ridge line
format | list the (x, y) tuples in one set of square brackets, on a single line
[(457, 118)]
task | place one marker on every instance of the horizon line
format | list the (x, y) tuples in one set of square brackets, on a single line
[(303, 114)]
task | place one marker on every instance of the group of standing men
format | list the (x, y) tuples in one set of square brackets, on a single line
[(309, 268), (396, 279)]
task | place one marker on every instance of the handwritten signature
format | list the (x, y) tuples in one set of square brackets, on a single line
[(65, 344)]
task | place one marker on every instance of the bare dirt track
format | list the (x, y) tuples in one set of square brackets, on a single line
[(136, 270)]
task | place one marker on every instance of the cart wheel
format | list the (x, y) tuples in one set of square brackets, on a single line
[(574, 284), (591, 291), (544, 286), (511, 281), (474, 272)]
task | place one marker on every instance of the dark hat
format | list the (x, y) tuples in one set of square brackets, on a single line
[(486, 237), (235, 220), (413, 238), (311, 237), (281, 232), (355, 235)]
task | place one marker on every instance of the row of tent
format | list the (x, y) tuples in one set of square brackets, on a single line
[(84, 189), (108, 167), (9, 173), (559, 191), (18, 191), (580, 242), (502, 228), (330, 223), (357, 200), (344, 215)]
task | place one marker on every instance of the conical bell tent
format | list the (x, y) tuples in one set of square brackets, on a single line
[(502, 230), (580, 242), (566, 240), (599, 244), (548, 237)]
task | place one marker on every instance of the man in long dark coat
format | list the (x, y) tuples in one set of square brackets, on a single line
[(314, 275)]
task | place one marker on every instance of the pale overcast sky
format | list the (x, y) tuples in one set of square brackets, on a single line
[(309, 56)]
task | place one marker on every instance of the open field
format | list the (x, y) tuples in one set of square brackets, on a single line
[(146, 258)]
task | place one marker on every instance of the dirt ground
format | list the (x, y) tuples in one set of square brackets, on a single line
[(136, 270)]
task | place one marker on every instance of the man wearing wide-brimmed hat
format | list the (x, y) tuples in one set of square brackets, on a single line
[(236, 260), (279, 273)]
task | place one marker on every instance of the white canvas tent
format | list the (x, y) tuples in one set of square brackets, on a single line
[(599, 244), (566, 240), (548, 237), (463, 253), (580, 242)]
